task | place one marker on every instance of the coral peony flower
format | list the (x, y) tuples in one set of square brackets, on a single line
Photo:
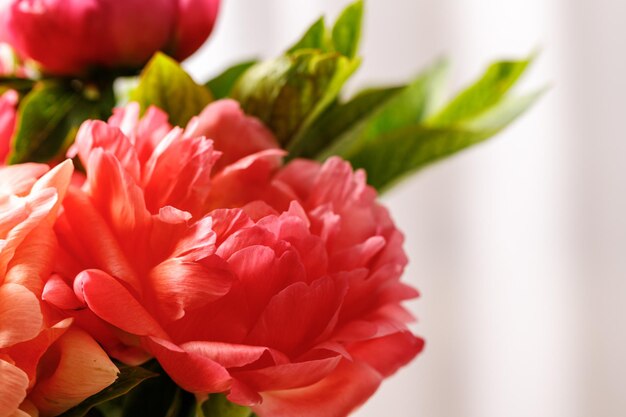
[(46, 366), (276, 285), (8, 103), (69, 37)]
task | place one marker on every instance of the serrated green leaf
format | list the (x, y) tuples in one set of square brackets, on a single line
[(218, 406), (483, 94), (407, 107), (313, 38), (337, 119), (165, 84), (290, 92), (128, 379), (222, 85), (347, 30), (48, 119)]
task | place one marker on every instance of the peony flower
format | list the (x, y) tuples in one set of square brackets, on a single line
[(46, 366), (278, 285), (8, 103), (70, 37)]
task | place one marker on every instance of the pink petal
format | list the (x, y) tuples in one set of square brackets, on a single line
[(234, 134), (31, 271), (29, 212), (226, 354), (288, 375), (18, 179), (89, 234), (26, 355), (12, 389), (94, 134), (120, 201), (74, 368), (58, 293), (20, 315), (181, 285), (113, 303), (193, 372), (337, 395), (248, 180), (298, 315), (387, 354), (184, 186)]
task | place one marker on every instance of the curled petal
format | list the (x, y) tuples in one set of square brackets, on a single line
[(74, 368), (193, 372)]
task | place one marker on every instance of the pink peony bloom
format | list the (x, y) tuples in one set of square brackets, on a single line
[(8, 103), (46, 366), (276, 285), (72, 36)]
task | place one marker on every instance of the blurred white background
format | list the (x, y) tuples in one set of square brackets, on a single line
[(516, 245)]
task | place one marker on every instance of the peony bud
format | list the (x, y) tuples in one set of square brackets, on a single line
[(72, 36)]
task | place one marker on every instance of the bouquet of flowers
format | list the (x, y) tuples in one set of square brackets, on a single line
[(171, 248)]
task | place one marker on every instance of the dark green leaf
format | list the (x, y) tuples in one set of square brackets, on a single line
[(222, 85), (218, 406), (48, 119), (157, 397), (347, 30), (314, 38), (289, 93), (128, 379), (337, 119), (22, 85), (163, 83), (480, 96)]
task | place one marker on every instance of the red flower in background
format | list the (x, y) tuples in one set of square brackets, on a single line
[(8, 114), (278, 285), (73, 36)]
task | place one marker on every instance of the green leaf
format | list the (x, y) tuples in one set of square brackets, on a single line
[(128, 379), (163, 83), (314, 38), (337, 119), (402, 135), (290, 92), (402, 151), (48, 118), (407, 107), (480, 96), (222, 85), (347, 30), (218, 406)]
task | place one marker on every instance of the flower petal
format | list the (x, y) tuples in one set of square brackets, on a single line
[(337, 395), (113, 303), (20, 315), (193, 372), (12, 389), (74, 368)]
